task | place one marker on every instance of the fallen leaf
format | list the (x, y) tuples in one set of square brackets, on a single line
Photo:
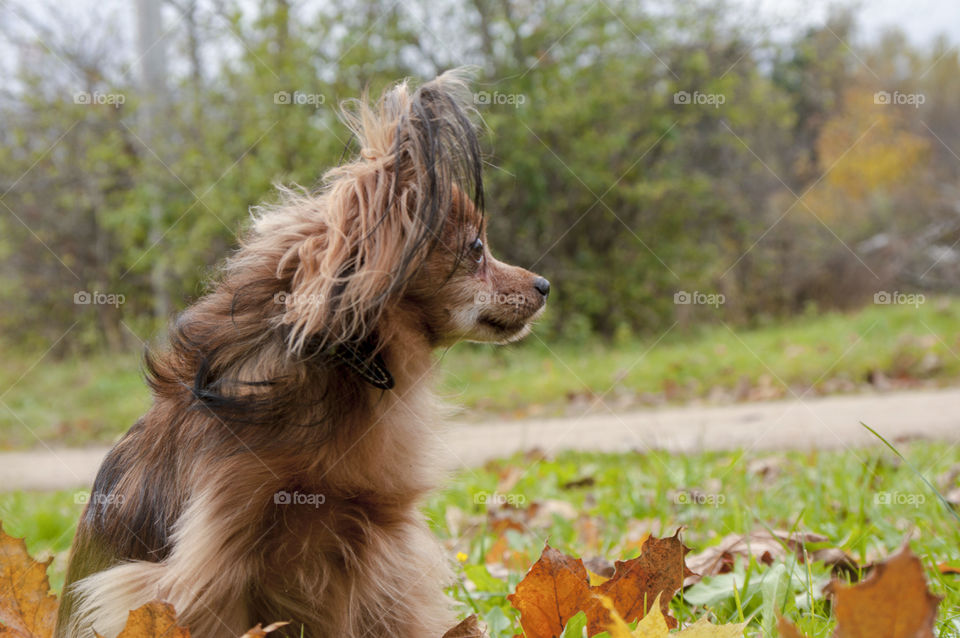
[(469, 627), (558, 586), (635, 583), (27, 608), (654, 625), (156, 619), (550, 594), (766, 547), (893, 602)]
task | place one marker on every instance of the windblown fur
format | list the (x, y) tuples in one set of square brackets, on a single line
[(269, 480)]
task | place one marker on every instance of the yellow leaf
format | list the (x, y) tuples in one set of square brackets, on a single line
[(654, 625), (26, 606), (616, 628), (156, 619), (596, 579)]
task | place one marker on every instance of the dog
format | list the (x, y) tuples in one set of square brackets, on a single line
[(293, 432)]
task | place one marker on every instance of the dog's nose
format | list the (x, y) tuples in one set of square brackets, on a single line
[(542, 286)]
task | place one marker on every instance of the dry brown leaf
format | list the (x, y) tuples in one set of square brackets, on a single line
[(766, 548), (660, 568), (892, 602), (558, 586), (156, 619), (27, 608), (469, 627), (260, 631)]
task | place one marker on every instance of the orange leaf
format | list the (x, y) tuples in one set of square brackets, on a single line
[(156, 619), (558, 586), (550, 594), (27, 609)]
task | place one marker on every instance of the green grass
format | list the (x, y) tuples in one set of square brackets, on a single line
[(71, 402), (823, 354), (95, 400), (839, 495)]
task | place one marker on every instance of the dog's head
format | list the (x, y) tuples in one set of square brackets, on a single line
[(402, 229)]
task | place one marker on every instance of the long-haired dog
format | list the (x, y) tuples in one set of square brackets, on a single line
[(278, 473)]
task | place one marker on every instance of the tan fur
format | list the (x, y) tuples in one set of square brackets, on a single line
[(252, 402)]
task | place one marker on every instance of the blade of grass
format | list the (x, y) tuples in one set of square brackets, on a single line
[(943, 501)]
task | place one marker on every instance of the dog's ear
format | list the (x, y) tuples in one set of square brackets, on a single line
[(385, 212)]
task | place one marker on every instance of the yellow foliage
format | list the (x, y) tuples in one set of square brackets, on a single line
[(654, 625), (864, 150)]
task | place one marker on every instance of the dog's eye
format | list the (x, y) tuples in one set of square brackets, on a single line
[(477, 249)]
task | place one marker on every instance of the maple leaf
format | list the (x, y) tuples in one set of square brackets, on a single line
[(156, 619), (893, 602), (27, 608), (558, 586)]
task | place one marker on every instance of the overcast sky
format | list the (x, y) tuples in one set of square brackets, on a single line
[(921, 20)]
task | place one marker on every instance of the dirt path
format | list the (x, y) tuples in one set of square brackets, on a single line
[(831, 422)]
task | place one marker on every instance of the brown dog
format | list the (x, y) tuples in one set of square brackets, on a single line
[(277, 475)]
